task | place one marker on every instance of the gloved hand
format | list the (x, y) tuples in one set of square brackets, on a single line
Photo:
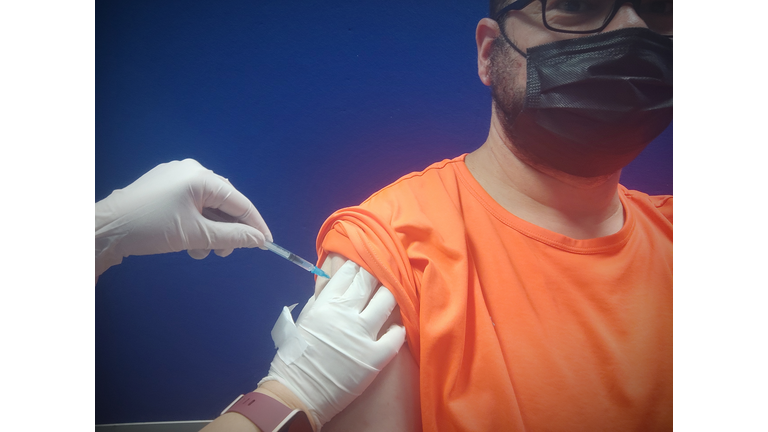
[(176, 206), (337, 333)]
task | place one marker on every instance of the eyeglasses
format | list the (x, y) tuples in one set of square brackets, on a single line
[(592, 16)]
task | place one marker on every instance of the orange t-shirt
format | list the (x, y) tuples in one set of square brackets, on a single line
[(515, 327)]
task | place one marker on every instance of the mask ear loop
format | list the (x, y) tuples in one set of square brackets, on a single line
[(504, 35)]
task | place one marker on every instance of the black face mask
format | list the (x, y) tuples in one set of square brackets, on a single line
[(594, 103)]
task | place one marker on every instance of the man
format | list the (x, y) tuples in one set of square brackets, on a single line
[(536, 291)]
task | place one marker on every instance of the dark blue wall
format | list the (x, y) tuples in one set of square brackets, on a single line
[(307, 107)]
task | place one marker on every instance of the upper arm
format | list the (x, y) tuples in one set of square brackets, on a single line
[(391, 402)]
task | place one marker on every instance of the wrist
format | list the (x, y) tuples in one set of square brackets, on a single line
[(108, 237), (282, 394), (106, 255)]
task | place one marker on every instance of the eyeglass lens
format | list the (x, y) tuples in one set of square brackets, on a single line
[(590, 15)]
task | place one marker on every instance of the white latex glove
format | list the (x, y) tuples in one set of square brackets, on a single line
[(176, 206), (331, 355)]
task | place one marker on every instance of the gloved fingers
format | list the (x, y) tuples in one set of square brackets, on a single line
[(378, 310), (360, 290), (388, 346), (217, 215), (220, 194), (172, 174), (198, 253), (253, 218), (227, 235), (339, 283), (223, 252), (223, 178), (168, 170), (188, 163)]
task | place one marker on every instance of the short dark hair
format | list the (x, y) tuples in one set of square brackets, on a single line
[(495, 7)]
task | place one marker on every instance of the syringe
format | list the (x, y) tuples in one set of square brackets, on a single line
[(301, 262)]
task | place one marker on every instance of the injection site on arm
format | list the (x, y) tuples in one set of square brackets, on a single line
[(391, 402)]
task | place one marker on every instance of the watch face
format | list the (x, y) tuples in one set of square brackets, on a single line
[(298, 423)]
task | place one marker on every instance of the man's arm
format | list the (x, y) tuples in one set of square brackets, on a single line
[(391, 402), (341, 353)]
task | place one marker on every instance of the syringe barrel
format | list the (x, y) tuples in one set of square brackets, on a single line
[(278, 250)]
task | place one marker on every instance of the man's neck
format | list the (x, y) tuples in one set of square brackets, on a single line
[(576, 207)]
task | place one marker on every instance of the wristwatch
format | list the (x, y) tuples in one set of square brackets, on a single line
[(268, 414)]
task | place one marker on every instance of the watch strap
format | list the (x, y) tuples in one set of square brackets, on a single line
[(268, 414)]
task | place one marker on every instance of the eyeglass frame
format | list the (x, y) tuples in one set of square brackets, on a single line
[(521, 4)]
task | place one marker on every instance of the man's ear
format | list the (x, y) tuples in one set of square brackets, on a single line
[(487, 31)]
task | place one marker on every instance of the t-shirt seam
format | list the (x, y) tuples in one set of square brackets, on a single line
[(580, 250), (436, 166), (663, 202)]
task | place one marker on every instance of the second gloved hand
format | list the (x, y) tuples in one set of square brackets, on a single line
[(331, 355), (165, 211)]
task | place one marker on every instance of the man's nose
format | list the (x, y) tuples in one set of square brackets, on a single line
[(625, 17)]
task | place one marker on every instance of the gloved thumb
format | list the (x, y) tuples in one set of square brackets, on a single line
[(306, 308), (388, 345)]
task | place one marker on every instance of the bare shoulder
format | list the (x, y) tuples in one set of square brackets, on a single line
[(391, 402)]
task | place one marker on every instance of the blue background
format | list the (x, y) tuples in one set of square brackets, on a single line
[(306, 107)]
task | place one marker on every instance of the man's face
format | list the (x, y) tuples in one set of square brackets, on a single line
[(507, 67), (507, 82), (525, 29)]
